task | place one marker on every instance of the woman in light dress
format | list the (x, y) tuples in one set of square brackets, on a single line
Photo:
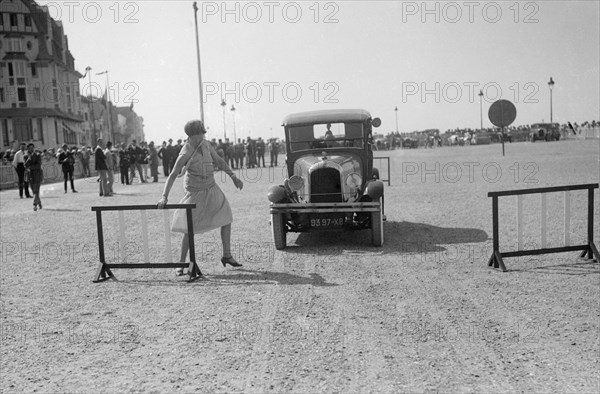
[(212, 208)]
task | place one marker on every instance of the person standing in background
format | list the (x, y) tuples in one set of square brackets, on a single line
[(19, 164), (110, 164), (274, 153), (33, 164), (239, 154), (230, 153), (124, 164), (102, 168), (260, 152), (85, 155), (163, 155), (67, 162), (137, 156), (153, 160), (171, 155)]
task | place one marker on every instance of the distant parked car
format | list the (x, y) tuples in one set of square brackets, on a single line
[(410, 143), (545, 131)]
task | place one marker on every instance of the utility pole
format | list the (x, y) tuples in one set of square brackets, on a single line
[(94, 136), (198, 58), (110, 125)]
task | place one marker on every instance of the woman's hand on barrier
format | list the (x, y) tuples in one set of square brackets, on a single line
[(162, 202)]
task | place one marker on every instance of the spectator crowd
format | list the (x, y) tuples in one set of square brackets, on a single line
[(131, 161)]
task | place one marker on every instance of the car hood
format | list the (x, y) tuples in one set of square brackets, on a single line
[(346, 164)]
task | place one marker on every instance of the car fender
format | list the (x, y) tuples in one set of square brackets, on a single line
[(374, 189)]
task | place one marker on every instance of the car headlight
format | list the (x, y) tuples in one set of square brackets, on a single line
[(296, 183), (354, 180)]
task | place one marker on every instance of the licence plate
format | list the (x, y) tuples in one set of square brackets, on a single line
[(322, 221)]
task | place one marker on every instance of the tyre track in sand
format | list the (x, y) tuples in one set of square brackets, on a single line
[(486, 349)]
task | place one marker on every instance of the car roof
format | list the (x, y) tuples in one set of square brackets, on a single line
[(326, 116)]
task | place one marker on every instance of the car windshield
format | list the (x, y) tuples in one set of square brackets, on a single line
[(328, 135)]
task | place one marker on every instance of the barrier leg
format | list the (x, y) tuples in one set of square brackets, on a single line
[(103, 272), (193, 269)]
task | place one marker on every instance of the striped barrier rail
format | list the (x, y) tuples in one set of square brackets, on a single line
[(104, 269), (588, 248)]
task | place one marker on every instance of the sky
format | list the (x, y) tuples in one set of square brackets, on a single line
[(269, 59)]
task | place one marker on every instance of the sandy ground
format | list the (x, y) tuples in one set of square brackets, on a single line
[(329, 314)]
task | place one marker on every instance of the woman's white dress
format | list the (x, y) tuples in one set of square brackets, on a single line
[(212, 208)]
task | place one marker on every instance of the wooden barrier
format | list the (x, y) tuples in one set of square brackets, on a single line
[(104, 269), (589, 248)]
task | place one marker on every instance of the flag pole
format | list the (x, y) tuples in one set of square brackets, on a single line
[(198, 58)]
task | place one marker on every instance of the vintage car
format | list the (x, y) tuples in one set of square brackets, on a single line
[(331, 182), (545, 131)]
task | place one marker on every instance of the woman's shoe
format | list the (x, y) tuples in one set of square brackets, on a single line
[(179, 272), (231, 261), (35, 207), (40, 204)]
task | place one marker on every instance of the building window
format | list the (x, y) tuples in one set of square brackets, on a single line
[(85, 115), (14, 21), (69, 103), (40, 127), (27, 19), (56, 131), (22, 129), (1, 20), (16, 69), (33, 70), (5, 132), (14, 45), (69, 136), (1, 95)]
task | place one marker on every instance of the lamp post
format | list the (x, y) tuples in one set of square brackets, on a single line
[(198, 59), (480, 110), (223, 105), (110, 125), (91, 103), (551, 85), (396, 110), (234, 133)]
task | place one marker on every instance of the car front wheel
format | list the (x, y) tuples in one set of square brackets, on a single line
[(279, 231), (377, 228)]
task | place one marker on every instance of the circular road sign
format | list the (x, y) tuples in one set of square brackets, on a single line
[(502, 113)]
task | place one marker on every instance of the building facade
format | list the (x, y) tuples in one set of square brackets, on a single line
[(39, 85), (133, 124)]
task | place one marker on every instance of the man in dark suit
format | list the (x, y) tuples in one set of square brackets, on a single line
[(67, 162), (102, 168), (164, 156), (171, 154), (136, 159)]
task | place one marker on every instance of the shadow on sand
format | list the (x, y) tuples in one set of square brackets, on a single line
[(579, 267), (238, 277), (399, 238)]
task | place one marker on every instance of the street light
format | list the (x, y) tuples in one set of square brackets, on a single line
[(223, 105), (110, 125), (94, 136), (480, 110), (198, 58), (234, 134), (551, 85), (396, 110)]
